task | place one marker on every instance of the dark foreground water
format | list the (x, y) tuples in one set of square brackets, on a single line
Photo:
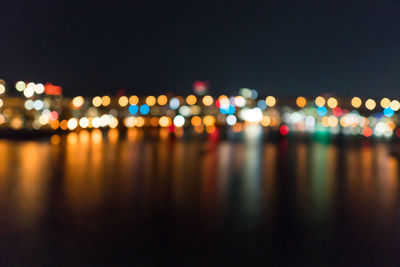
[(116, 200)]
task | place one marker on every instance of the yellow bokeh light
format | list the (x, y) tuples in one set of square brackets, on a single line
[(208, 100), (209, 120), (265, 121), (105, 100), (196, 121), (191, 99), (139, 121), (332, 102), (270, 100), (165, 121), (301, 102), (77, 102), (113, 123), (150, 100), (133, 100), (333, 121), (55, 124), (162, 100), (370, 104), (123, 101), (385, 102), (130, 121), (72, 124), (16, 123), (324, 121), (64, 125), (96, 101), (2, 89), (356, 102), (319, 101), (20, 86), (84, 122), (395, 105)]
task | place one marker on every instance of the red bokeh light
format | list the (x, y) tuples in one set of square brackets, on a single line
[(397, 132), (54, 115), (51, 89), (201, 87), (367, 131), (337, 111), (171, 128), (284, 130)]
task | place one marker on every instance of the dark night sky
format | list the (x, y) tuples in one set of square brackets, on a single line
[(277, 47)]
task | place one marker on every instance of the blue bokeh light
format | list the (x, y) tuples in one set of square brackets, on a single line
[(322, 111), (174, 103), (229, 110), (144, 109), (389, 112), (133, 109), (262, 104)]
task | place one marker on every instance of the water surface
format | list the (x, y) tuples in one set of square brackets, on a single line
[(115, 199)]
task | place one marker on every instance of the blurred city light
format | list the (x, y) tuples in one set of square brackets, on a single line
[(42, 107)]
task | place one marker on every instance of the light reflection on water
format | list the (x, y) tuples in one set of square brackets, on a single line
[(250, 196)]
